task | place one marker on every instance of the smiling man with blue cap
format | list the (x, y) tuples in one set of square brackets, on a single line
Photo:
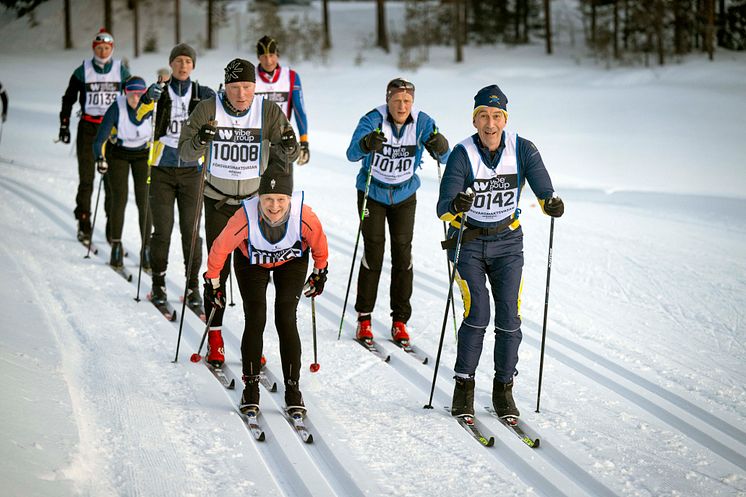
[(495, 164)]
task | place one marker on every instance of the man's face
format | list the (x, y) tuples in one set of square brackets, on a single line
[(400, 106), (490, 122), (240, 94), (103, 50), (269, 61), (182, 67), (274, 205)]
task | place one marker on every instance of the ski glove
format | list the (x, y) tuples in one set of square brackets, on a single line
[(305, 155), (462, 202), (315, 283), (101, 165), (64, 132), (154, 92), (287, 140), (206, 133), (436, 145), (372, 142), (554, 207), (213, 295)]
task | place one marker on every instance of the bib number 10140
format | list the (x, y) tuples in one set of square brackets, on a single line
[(386, 165)]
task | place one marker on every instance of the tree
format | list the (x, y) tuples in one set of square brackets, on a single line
[(108, 21), (177, 21), (136, 26), (68, 29), (382, 40), (209, 24), (548, 26), (327, 38)]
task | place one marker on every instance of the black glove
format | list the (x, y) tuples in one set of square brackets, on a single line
[(463, 201), (372, 142), (101, 165), (65, 131), (287, 140), (554, 206), (154, 92), (206, 133), (315, 282), (436, 145), (213, 295), (305, 155)]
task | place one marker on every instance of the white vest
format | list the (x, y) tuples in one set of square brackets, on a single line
[(132, 135), (496, 190), (277, 92), (394, 164), (236, 150), (179, 114), (101, 89), (261, 251)]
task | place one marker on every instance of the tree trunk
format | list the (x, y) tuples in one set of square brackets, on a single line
[(177, 21), (659, 44), (616, 29), (517, 22), (548, 26), (593, 24), (710, 29), (209, 24), (524, 20), (68, 29), (625, 31), (327, 38), (383, 39), (136, 23), (108, 21), (459, 25)]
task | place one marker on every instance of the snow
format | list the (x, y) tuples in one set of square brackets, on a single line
[(643, 387)]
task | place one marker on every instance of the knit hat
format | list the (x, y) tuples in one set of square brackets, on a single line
[(239, 70), (135, 84), (275, 178), (102, 37), (399, 85), (183, 49), (490, 96), (266, 45)]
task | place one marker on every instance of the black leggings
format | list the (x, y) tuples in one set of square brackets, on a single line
[(120, 162), (289, 280)]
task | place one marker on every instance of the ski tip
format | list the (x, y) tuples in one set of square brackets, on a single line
[(274, 387), (426, 360), (490, 442), (173, 316), (536, 444), (309, 440), (232, 384), (129, 278), (261, 437), (387, 359)]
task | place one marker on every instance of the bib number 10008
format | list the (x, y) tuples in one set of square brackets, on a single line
[(235, 152)]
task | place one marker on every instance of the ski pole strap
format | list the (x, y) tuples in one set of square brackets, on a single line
[(473, 232)]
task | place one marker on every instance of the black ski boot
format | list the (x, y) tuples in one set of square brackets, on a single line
[(146, 259), (84, 228), (158, 295), (117, 254), (463, 397), (250, 397), (502, 400), (194, 299), (293, 398)]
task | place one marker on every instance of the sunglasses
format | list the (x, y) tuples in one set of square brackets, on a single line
[(401, 84), (104, 38)]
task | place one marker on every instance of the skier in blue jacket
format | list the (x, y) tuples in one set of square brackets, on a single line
[(390, 139), (495, 164)]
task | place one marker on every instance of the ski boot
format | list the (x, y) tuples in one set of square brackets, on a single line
[(502, 400), (463, 397), (117, 254), (146, 259), (194, 299), (399, 332), (84, 228), (364, 331), (250, 396), (215, 351), (293, 398), (158, 293)]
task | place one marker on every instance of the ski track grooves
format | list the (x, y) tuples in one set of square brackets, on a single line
[(292, 469)]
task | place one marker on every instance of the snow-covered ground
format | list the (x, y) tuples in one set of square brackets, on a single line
[(643, 391)]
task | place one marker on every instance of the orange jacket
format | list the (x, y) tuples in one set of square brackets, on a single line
[(236, 233)]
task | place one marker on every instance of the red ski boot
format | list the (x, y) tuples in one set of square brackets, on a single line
[(364, 330), (399, 332), (215, 349)]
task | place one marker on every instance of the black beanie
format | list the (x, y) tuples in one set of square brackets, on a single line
[(183, 49), (266, 45), (239, 70), (276, 179)]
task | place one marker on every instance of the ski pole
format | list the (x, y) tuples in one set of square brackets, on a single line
[(147, 194), (546, 309), (197, 217), (95, 212), (448, 262), (230, 277), (456, 254), (315, 366), (363, 211), (196, 357)]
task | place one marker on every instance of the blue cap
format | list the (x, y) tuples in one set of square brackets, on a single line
[(490, 96), (135, 84)]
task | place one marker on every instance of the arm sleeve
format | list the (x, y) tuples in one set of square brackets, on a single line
[(315, 238), (125, 72), (235, 232), (534, 170), (299, 108), (189, 147), (74, 87), (456, 178), (274, 122), (111, 118), (366, 124)]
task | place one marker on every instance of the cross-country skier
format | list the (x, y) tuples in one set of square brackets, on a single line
[(174, 179), (274, 233), (495, 164), (234, 131), (124, 140), (95, 85), (282, 86), (390, 139)]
